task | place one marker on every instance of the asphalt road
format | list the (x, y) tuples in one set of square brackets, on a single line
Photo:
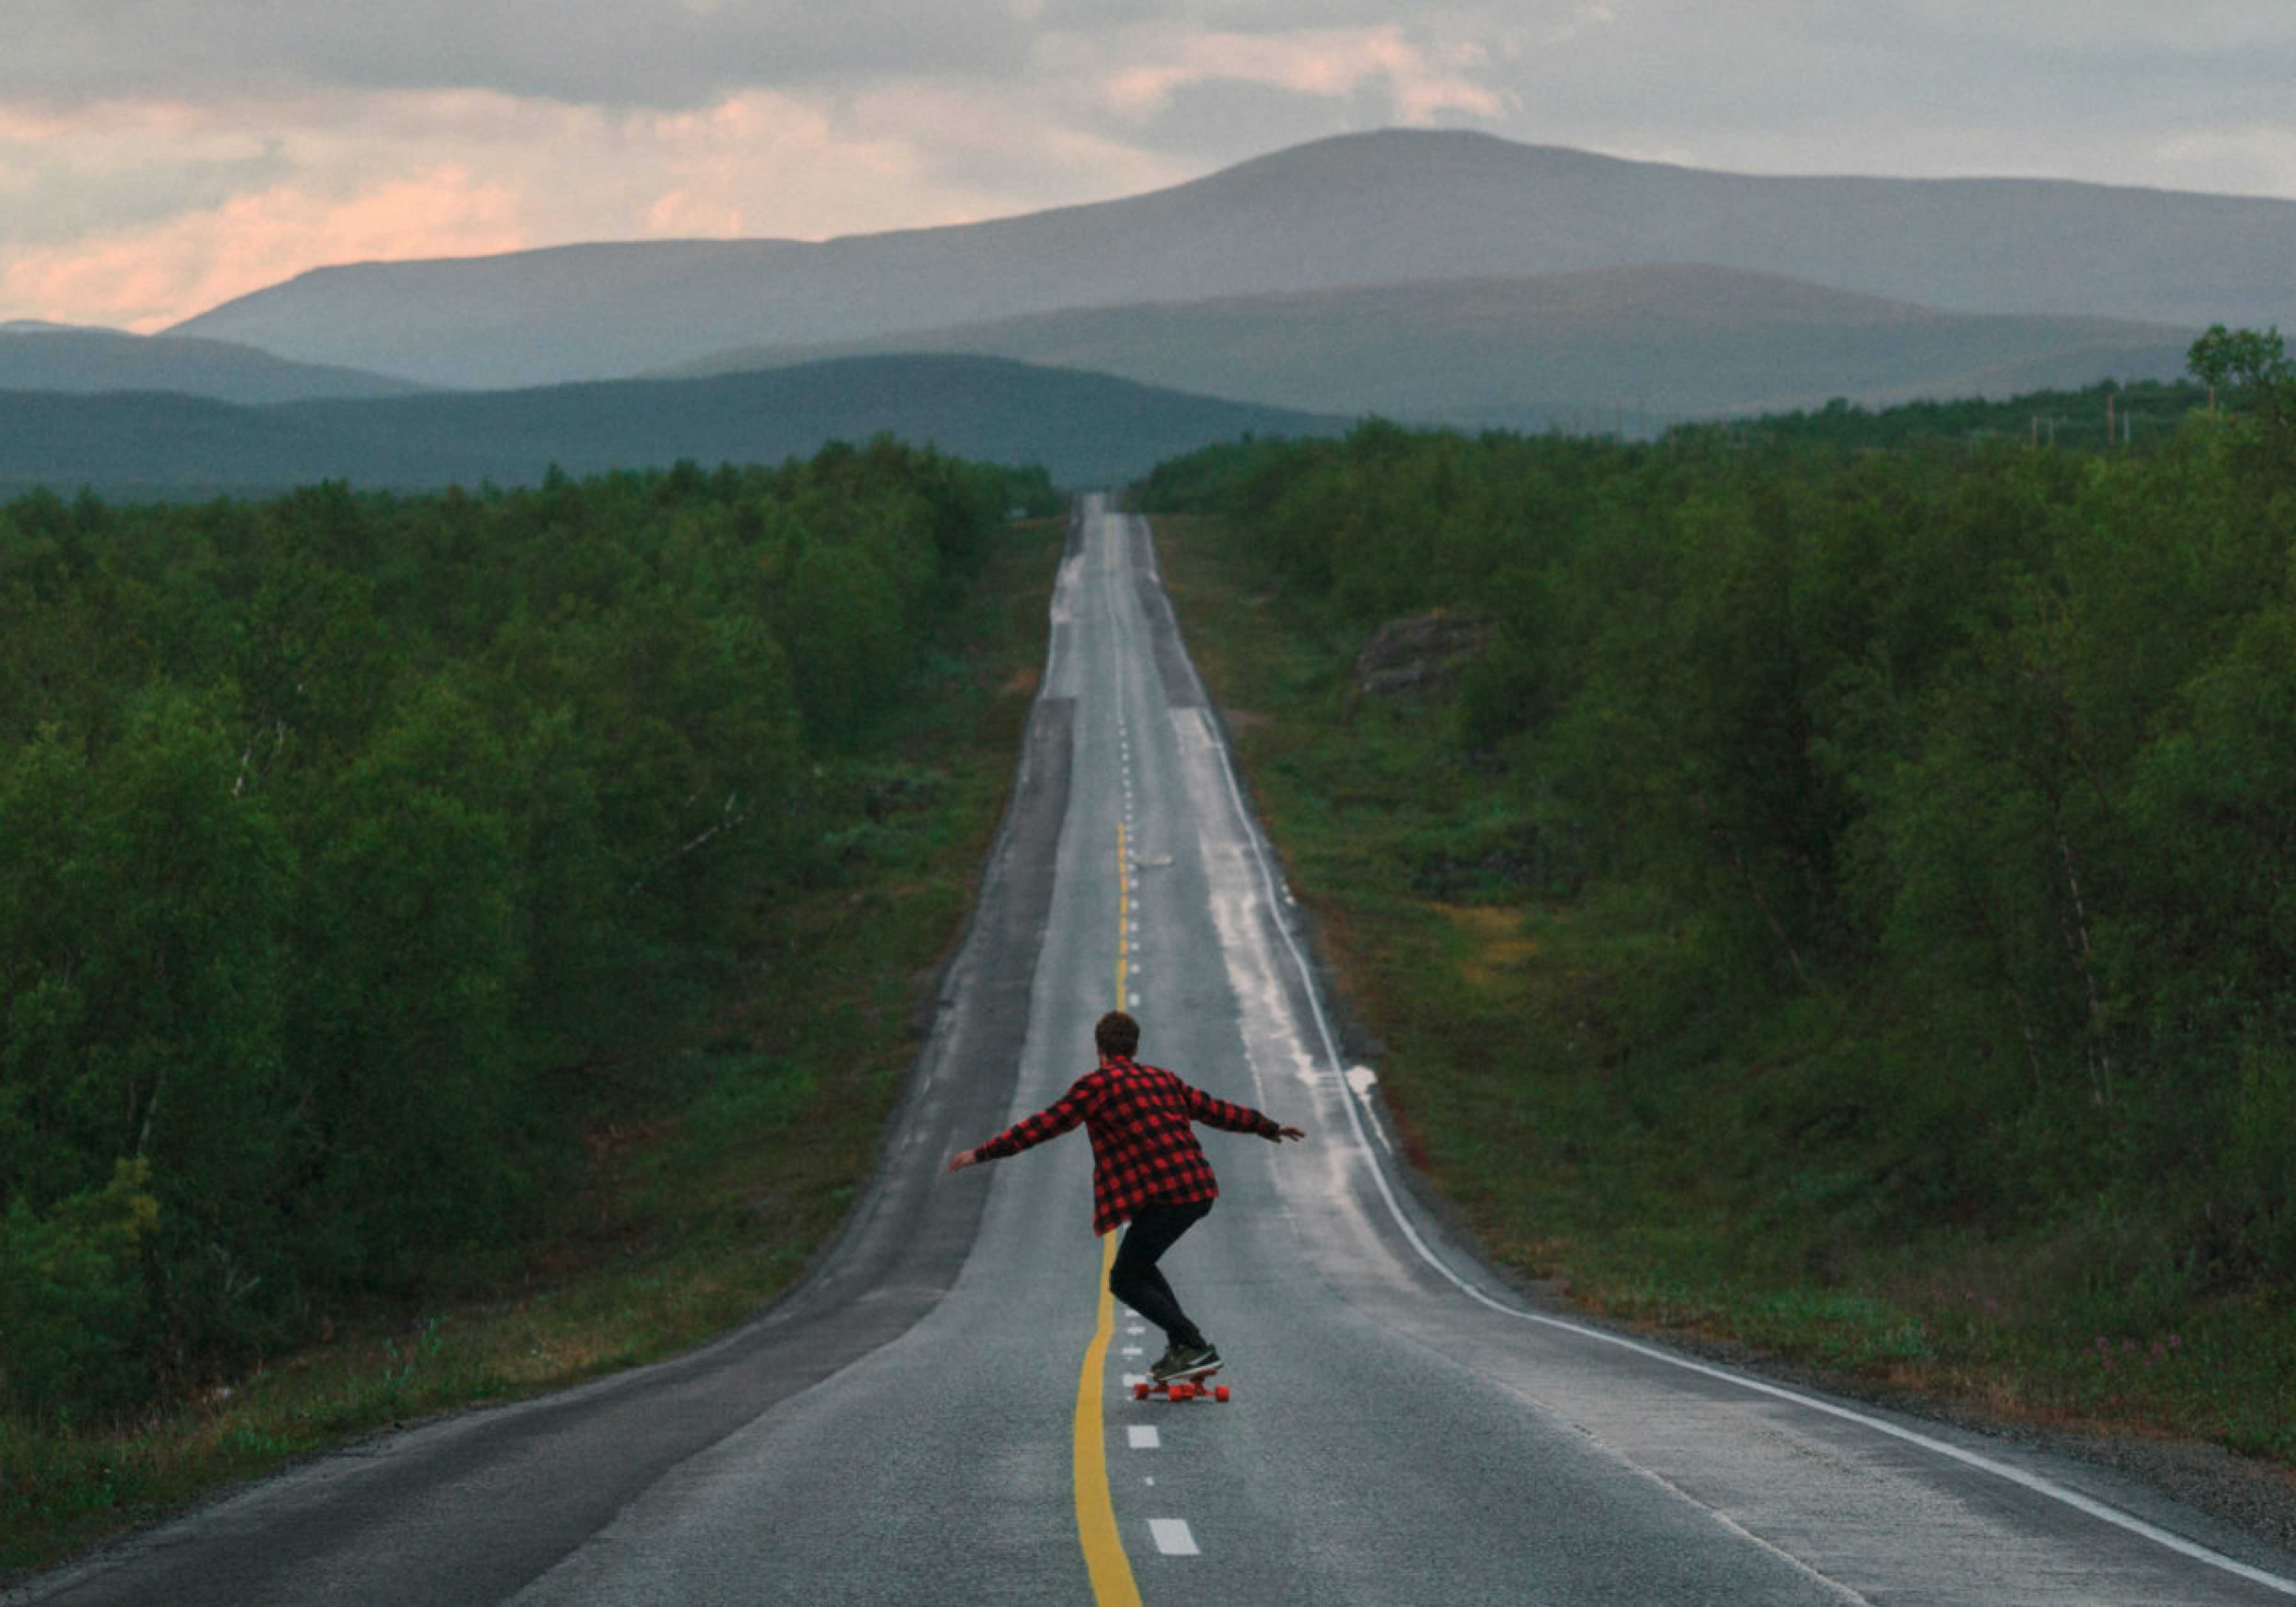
[(942, 1413)]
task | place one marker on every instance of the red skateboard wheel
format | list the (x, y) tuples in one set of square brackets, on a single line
[(1140, 1391), (1220, 1392)]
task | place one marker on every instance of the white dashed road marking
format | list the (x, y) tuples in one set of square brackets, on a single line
[(1144, 1438), (1173, 1539)]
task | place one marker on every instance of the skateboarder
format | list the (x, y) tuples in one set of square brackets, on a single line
[(1146, 1169)]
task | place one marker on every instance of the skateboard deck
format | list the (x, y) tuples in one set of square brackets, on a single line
[(1192, 1387)]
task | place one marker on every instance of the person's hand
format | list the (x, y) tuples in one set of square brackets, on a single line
[(1283, 1133), (963, 1158)]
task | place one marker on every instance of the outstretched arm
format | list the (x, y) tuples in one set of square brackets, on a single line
[(1216, 1112), (1055, 1119)]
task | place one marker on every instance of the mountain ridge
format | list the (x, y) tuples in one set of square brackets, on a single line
[(1354, 209), (38, 356), (1674, 340), (1085, 429)]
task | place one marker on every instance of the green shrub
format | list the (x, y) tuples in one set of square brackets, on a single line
[(72, 1298)]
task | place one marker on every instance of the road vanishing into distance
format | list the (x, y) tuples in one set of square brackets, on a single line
[(941, 1413)]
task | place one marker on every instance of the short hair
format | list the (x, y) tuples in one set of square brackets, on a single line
[(1117, 1033)]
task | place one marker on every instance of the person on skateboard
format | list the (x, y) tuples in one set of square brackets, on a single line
[(1147, 1169)]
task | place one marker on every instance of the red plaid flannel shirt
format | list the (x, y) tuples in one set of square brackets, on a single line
[(1142, 1146)]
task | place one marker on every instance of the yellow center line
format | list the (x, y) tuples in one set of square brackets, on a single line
[(1104, 1550)]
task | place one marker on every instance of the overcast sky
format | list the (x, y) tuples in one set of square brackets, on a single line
[(160, 156)]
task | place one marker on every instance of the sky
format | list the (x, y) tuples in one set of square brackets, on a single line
[(159, 157)]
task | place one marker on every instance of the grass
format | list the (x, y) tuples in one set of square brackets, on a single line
[(703, 1197), (1659, 1158)]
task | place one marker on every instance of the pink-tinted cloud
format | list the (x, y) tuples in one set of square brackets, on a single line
[(210, 202), (147, 278)]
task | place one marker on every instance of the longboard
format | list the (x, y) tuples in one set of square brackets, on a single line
[(1192, 1388)]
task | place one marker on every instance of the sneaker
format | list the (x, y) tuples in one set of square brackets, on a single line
[(1183, 1361)]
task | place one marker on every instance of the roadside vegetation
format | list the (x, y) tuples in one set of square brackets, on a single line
[(1815, 887), (2141, 415), (451, 946)]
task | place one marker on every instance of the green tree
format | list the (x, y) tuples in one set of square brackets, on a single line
[(142, 951), (72, 1298), (2258, 383), (412, 1111), (2241, 361)]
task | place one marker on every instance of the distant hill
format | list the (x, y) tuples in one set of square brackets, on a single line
[(1085, 429), (1558, 349), (1373, 208), (55, 357)]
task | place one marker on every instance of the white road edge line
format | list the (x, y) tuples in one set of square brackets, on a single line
[(1173, 1539), (2034, 1482)]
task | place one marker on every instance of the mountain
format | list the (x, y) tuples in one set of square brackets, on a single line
[(35, 355), (1360, 210), (1556, 349), (1085, 429)]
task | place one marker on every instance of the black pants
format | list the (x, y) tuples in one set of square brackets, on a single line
[(1134, 1280)]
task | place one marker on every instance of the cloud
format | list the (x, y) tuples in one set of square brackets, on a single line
[(2071, 30), (99, 168), (1417, 78), (2254, 159), (144, 278), (907, 153), (181, 207), (977, 152), (157, 156), (660, 54)]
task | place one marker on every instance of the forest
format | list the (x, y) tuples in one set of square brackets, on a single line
[(1942, 782), (357, 851)]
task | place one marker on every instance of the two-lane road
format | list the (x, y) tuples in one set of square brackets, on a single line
[(941, 1415)]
